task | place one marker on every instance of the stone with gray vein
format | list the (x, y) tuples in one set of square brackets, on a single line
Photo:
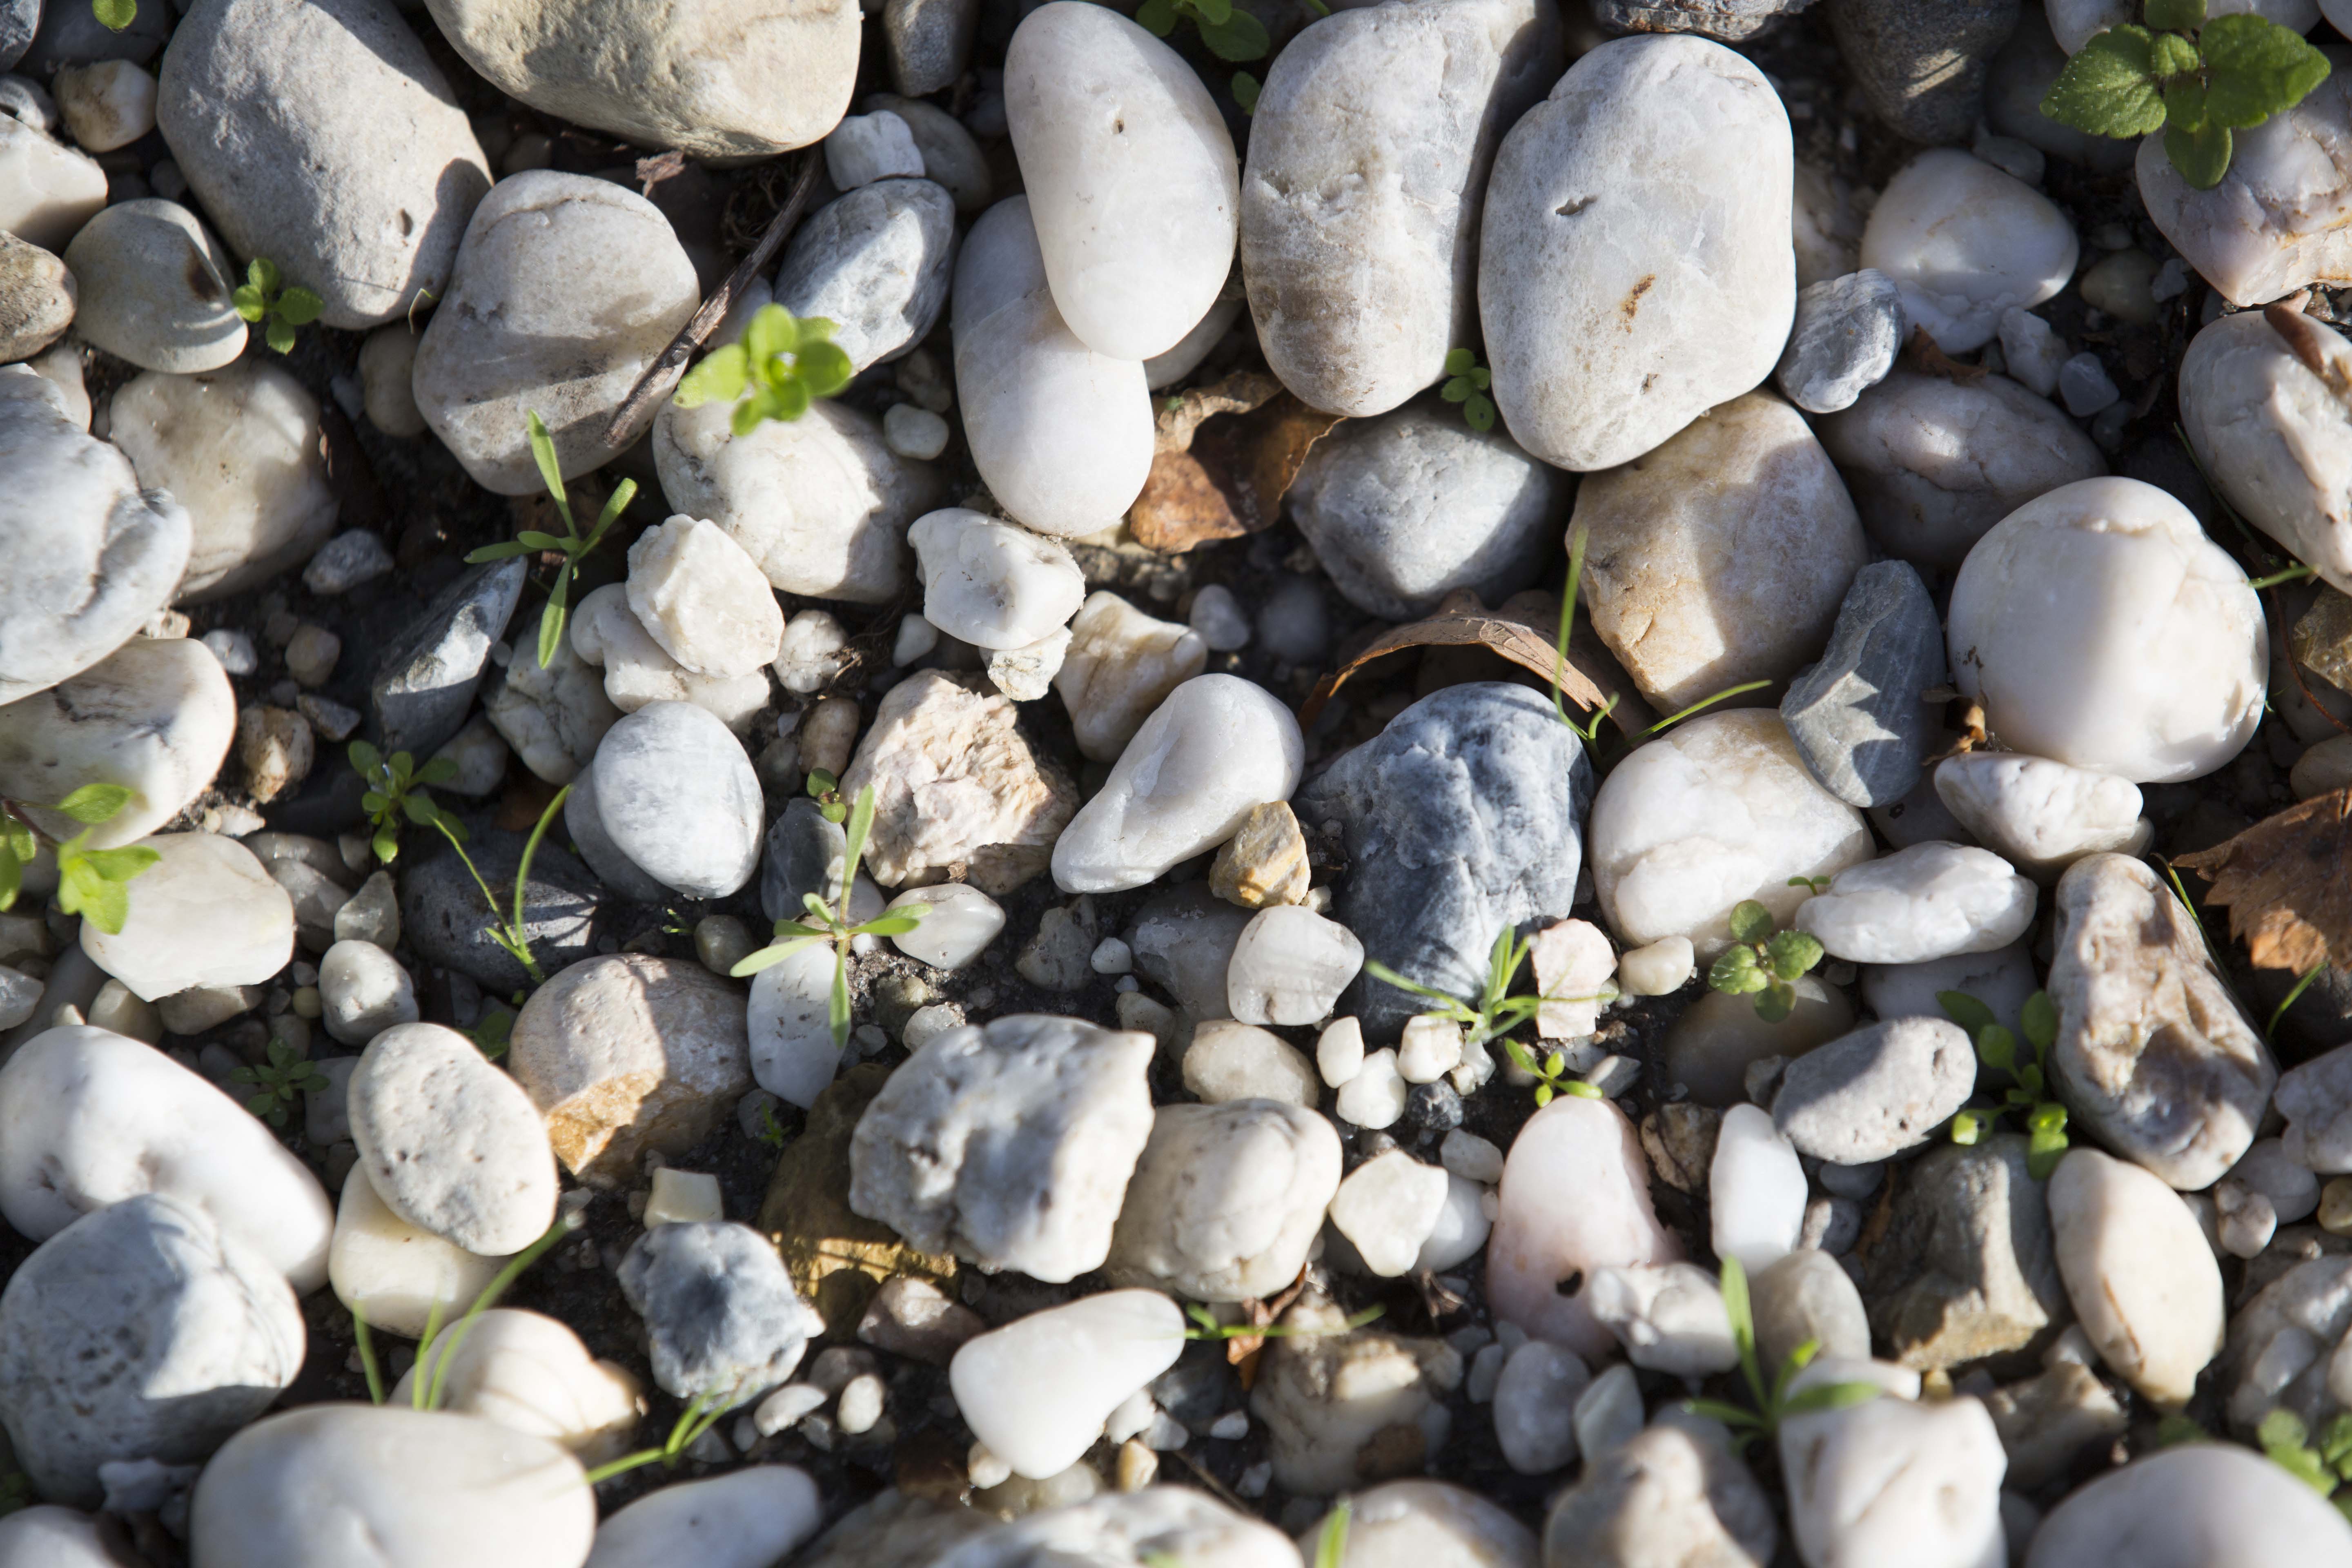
[(1860, 717)]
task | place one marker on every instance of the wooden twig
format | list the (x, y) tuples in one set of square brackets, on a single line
[(636, 410)]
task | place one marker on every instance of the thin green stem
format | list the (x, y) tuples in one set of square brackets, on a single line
[(1728, 692), (531, 848), (367, 1353), (1577, 537), (519, 950), (2294, 573), (2271, 1028), (499, 1282), (417, 1389)]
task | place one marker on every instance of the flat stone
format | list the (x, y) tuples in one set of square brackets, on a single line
[(1265, 862), (1966, 1269), (679, 797), (1847, 332), (1922, 68), (1877, 1091), (2200, 1505), (961, 923), (1586, 1146), (1121, 664), (1225, 1200), (38, 298), (1926, 902), (425, 681), (2041, 815), (1860, 717), (874, 263), (720, 1309), (454, 1146), (154, 716), (2142, 1280), (155, 287)]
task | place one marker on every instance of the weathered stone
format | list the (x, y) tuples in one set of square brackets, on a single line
[(153, 287), (425, 681), (2046, 1424), (1265, 862), (154, 716), (1344, 1409), (1675, 1494), (37, 297), (1121, 664), (1965, 1267), (1876, 1092), (1922, 66), (2260, 408), (874, 263), (1225, 1200), (1860, 717)]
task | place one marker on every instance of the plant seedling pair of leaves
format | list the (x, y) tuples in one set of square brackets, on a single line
[(114, 15), (2027, 1097), (260, 298), (1774, 1402), (277, 1081), (1467, 384), (2323, 1466), (829, 925), (773, 372), (1765, 962), (573, 545), (2196, 80), (92, 883)]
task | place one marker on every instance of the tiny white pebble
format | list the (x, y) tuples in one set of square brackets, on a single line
[(1125, 983), (1471, 1157), (916, 638), (1217, 617), (786, 1406), (1340, 1051), (1113, 956), (987, 1470), (913, 432), (1231, 1426), (860, 1406)]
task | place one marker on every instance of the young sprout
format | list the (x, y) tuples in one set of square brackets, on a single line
[(2323, 1466), (1588, 732), (833, 926), (1467, 386), (113, 16), (769, 1131), (2027, 1097), (779, 367), (1331, 1545), (1774, 1402), (571, 543), (92, 883), (277, 1081), (826, 789), (1231, 32), (1497, 1012), (259, 298), (1763, 961), (2194, 80)]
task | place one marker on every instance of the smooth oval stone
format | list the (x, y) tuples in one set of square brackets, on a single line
[(364, 992), (90, 556), (2142, 1278), (1290, 966), (1540, 1244), (951, 154), (1225, 1201), (2200, 1505), (1718, 810), (1964, 242), (794, 1056), (403, 1279), (1038, 1390), (530, 1373), (1415, 1523), (563, 292), (1927, 901), (1402, 510), (1368, 157), (452, 1145), (992, 584), (155, 287), (698, 595), (141, 1331), (47, 1536), (1876, 1092), (585, 823), (2041, 815), (2273, 433), (1933, 462), (324, 138), (1130, 175), (679, 797), (88, 1118), (2099, 626), (1756, 1191), (961, 923), (154, 716), (1062, 434), (1218, 746), (207, 913), (874, 263), (47, 190), (424, 1489), (1720, 1037), (1634, 267), (1723, 555), (750, 1518)]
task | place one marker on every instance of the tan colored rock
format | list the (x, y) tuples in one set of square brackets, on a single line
[(1343, 1410), (1121, 663), (1266, 862), (276, 748), (37, 300), (957, 784), (629, 1053)]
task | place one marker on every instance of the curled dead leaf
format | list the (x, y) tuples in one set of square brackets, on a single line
[(2287, 883), (1225, 455), (1924, 355)]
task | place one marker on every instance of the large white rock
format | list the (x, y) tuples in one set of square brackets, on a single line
[(154, 287), (1635, 266), (1586, 1147), (2198, 1505), (2098, 626), (2139, 1271), (530, 1373), (1931, 900), (207, 913), (154, 716), (401, 1277), (678, 796), (423, 1489), (1062, 434), (1964, 242), (821, 503), (992, 584), (2041, 815), (563, 292), (1368, 157), (452, 1144), (1171, 1524), (1890, 1481), (703, 598), (1038, 1390), (1718, 810), (1225, 1201), (2275, 437), (1218, 746), (1130, 175), (750, 1518), (241, 448), (90, 1118)]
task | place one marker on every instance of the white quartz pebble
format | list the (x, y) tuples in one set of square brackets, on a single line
[(402, 1277), (1573, 962), (1038, 1390), (1659, 969), (1130, 172), (639, 671), (700, 596), (2273, 432), (363, 991), (1225, 1201), (529, 1372), (1374, 1094), (1756, 1190), (205, 913), (2041, 815), (1290, 966), (1388, 1207), (963, 921), (1229, 1060), (1608, 1414), (1430, 1049), (1534, 1406), (2196, 1505), (992, 584), (2143, 1281), (154, 716), (1927, 901), (1891, 1481), (2100, 626), (1964, 242), (794, 1056), (1340, 1052), (679, 799), (1462, 1225), (1589, 1148), (750, 1518), (452, 1144), (1121, 664), (1669, 1317)]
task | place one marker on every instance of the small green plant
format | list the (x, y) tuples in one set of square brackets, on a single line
[(830, 925), (1774, 1402), (1764, 962), (774, 371), (1467, 386), (437, 1350), (826, 789), (769, 1131), (114, 15), (278, 1083), (491, 1036), (92, 883), (2323, 1466), (261, 298), (1231, 32), (1331, 1545), (2028, 1096), (2194, 80), (701, 1415), (1206, 1326), (1497, 1012), (573, 545)]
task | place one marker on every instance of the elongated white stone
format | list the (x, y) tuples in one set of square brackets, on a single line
[(1038, 1390), (2274, 435), (1540, 1244), (1927, 901)]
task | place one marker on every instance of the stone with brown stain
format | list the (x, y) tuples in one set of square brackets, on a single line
[(1266, 862)]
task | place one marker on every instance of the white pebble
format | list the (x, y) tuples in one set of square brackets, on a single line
[(2084, 386), (1660, 969), (1964, 242), (1931, 900), (860, 1404), (1388, 1207), (683, 1197), (864, 148), (913, 432), (1340, 1051), (786, 1406), (917, 638), (1375, 1097), (2032, 350), (961, 923), (1290, 965), (1756, 1189), (1535, 1408), (1038, 1390), (1432, 1048), (1112, 956)]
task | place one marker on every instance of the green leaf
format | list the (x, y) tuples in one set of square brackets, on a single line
[(16, 835), (1456, 390), (82, 891), (1241, 37), (387, 844), (1997, 1048), (2109, 88), (532, 539), (1829, 1397), (837, 1015), (2181, 15), (2172, 56), (250, 302), (1735, 1306), (614, 505), (1212, 11), (861, 828), (770, 333), (114, 15), (1729, 1414), (1157, 16), (507, 551), (94, 803), (1779, 999), (1331, 1545), (279, 336), (419, 809), (550, 631), (1792, 952), (1478, 413), (439, 771), (813, 331), (2041, 1020), (1736, 973), (719, 378), (119, 865), (1966, 1011), (890, 925), (824, 369), (364, 758), (261, 273), (299, 307), (2255, 68), (551, 472), (1751, 921), (1967, 1128), (12, 876), (1459, 361), (767, 956), (1246, 92), (2202, 156), (2184, 104)]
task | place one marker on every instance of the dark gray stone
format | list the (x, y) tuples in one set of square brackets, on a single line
[(424, 685), (930, 42), (1730, 21), (1464, 817), (1182, 939), (71, 34), (1847, 332), (19, 20), (804, 854), (1922, 63), (1874, 1093), (720, 1309), (585, 823), (1967, 1268), (442, 915), (1859, 717), (876, 264)]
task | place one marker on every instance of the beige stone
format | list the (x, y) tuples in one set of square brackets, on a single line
[(276, 748), (1266, 862), (1119, 665)]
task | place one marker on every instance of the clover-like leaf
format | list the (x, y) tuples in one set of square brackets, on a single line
[(1736, 973), (2256, 68), (1478, 412), (439, 771), (94, 803), (1751, 921), (1967, 1127), (119, 865), (1245, 89), (2041, 1020), (262, 273), (82, 891), (1459, 361), (364, 757), (1241, 37), (2181, 15), (719, 378), (1779, 1000), (2170, 54), (114, 15), (2110, 86), (299, 307), (1791, 953), (1966, 1011), (1997, 1048)]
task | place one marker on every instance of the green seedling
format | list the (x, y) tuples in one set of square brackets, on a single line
[(114, 15), (1467, 384), (780, 367), (1229, 31), (490, 1037), (573, 545), (92, 883), (437, 1350), (2195, 79), (830, 925), (1764, 962), (2302, 984), (1498, 1012), (278, 1083), (2323, 1466), (1206, 1326), (826, 789), (1332, 1546), (701, 1415), (261, 298), (1774, 1402), (2028, 1097), (769, 1131)]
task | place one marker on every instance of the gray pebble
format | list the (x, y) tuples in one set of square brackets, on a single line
[(1877, 1091), (1858, 717), (424, 682), (679, 797), (876, 264), (719, 1308), (1922, 63), (1847, 333), (803, 854), (1728, 21)]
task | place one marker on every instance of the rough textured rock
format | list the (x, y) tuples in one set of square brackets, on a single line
[(323, 137), (876, 264), (1892, 1480), (1225, 1200), (1847, 332), (1405, 1523), (1922, 66), (423, 682), (1634, 267), (37, 297), (722, 1319), (2154, 1054), (638, 671), (1368, 159), (1808, 1296), (1344, 1409), (156, 716), (1121, 665), (1675, 1494), (2284, 1345), (1965, 1269), (1859, 717), (992, 584)]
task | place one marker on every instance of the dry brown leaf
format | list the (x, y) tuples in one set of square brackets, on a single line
[(1225, 455), (1179, 419), (2287, 881), (1924, 355)]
